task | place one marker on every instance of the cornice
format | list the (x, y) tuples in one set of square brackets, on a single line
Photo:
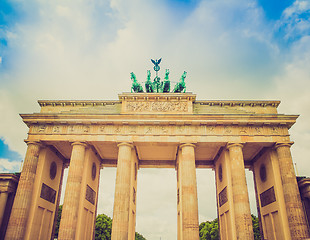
[(78, 103), (158, 96), (241, 103), (9, 176), (193, 119)]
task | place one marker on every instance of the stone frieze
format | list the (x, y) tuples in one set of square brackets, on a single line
[(158, 129)]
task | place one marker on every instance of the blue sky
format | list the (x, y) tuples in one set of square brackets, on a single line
[(9, 160), (274, 9), (235, 49)]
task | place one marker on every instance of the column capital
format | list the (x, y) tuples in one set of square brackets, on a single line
[(129, 144), (283, 144), (79, 143), (187, 145), (38, 143), (234, 144)]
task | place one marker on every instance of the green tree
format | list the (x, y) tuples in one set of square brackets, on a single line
[(209, 230), (138, 236), (256, 228), (103, 227), (58, 221)]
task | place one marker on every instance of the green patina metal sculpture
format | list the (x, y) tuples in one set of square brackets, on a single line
[(136, 87), (166, 85), (148, 84), (158, 86), (180, 86), (156, 63)]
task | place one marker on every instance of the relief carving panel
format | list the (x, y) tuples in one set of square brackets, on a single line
[(157, 106)]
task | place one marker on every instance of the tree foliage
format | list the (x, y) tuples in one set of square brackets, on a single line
[(138, 236), (209, 230), (58, 221), (103, 227), (256, 228)]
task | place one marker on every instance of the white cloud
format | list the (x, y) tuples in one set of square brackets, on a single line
[(7, 166), (12, 129), (299, 6), (295, 20)]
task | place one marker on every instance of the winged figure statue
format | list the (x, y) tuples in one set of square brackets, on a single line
[(156, 63)]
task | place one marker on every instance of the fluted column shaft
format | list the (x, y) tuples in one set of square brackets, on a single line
[(189, 208), (295, 213), (69, 216), (122, 193), (20, 210), (241, 202)]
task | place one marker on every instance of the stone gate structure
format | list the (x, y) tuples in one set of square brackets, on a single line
[(171, 130)]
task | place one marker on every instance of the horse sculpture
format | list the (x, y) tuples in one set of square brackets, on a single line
[(136, 87), (166, 84), (148, 84), (180, 86)]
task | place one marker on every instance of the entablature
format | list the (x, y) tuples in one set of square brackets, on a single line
[(161, 119)]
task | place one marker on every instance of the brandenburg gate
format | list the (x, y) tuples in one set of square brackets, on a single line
[(157, 130)]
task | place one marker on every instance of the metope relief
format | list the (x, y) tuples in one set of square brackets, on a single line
[(102, 129), (42, 128), (56, 129)]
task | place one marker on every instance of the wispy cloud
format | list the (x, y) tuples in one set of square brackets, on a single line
[(7, 166), (295, 21)]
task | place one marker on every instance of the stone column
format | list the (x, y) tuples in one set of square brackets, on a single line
[(295, 213), (67, 229), (3, 200), (189, 207), (20, 210), (122, 193), (241, 202)]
